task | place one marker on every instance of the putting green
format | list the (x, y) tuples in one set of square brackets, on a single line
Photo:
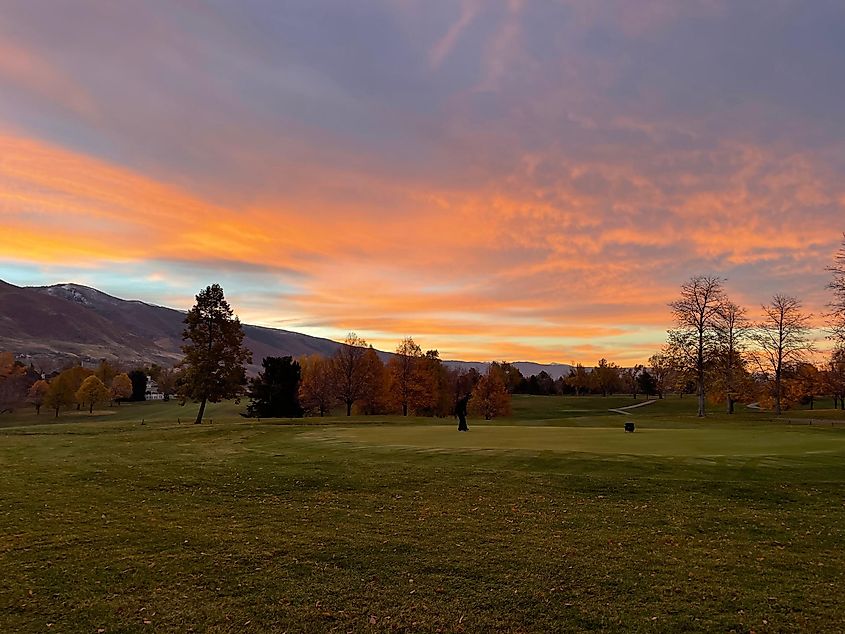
[(705, 442)]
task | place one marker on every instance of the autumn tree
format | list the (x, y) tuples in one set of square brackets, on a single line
[(213, 368), (38, 393), (693, 339), (660, 368), (317, 391), (404, 379), (434, 394), (75, 375), (808, 383), (630, 379), (732, 327), (349, 369), (274, 393), (92, 391), (106, 372), (62, 392), (490, 397), (837, 304), (835, 377), (13, 383), (375, 395), (782, 339), (121, 387), (578, 379), (605, 377)]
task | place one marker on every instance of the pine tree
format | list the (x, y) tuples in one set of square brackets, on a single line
[(214, 351), (274, 393)]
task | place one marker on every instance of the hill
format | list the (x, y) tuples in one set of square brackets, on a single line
[(70, 321), (64, 322)]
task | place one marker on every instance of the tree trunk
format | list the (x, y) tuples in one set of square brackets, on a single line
[(777, 395), (38, 409), (91, 407), (57, 412), (349, 408), (404, 409), (202, 411), (729, 405), (700, 401)]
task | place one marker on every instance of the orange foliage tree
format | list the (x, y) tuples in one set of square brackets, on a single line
[(490, 397), (317, 391)]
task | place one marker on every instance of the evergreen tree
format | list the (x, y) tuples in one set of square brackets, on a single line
[(138, 378), (214, 351), (646, 383), (274, 393)]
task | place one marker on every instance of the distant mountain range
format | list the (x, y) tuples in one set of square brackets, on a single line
[(71, 321)]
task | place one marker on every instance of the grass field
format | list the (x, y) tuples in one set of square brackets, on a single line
[(551, 520)]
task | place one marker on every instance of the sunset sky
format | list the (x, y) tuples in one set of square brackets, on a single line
[(498, 179)]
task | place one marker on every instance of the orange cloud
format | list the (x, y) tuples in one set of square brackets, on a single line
[(512, 270)]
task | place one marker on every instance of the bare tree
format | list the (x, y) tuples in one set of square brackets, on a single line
[(837, 305), (732, 328), (693, 340), (350, 370), (782, 339), (835, 375)]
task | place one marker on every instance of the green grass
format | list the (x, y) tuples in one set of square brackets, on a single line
[(553, 520)]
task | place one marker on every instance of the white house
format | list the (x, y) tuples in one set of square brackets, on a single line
[(153, 393)]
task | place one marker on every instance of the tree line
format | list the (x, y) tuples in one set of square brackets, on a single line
[(75, 386), (714, 350), (355, 377), (724, 354)]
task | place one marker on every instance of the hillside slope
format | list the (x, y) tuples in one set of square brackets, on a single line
[(65, 322), (70, 321)]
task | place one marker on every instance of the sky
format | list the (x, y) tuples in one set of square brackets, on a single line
[(499, 179)]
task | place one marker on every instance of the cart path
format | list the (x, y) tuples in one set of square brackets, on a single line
[(625, 410)]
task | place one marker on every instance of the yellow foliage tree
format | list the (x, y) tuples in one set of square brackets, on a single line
[(92, 391), (61, 393), (121, 387), (12, 382)]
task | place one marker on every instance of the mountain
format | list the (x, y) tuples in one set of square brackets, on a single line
[(73, 322), (70, 321), (554, 370)]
